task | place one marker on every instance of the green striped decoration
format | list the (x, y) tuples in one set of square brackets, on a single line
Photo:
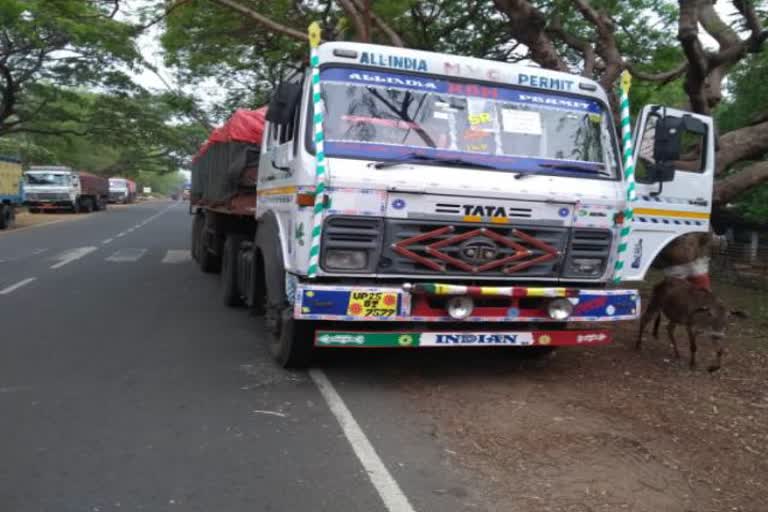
[(320, 174), (629, 177)]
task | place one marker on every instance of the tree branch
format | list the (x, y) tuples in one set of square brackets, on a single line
[(263, 20), (358, 20), (581, 45), (662, 77), (394, 37), (527, 25), (606, 46), (698, 64), (736, 184), (747, 143)]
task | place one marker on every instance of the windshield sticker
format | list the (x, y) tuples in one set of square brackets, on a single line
[(596, 118), (521, 121), (393, 61), (467, 90)]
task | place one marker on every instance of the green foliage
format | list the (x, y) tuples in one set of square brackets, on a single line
[(160, 183), (53, 44)]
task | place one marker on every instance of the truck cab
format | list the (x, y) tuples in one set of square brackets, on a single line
[(462, 202)]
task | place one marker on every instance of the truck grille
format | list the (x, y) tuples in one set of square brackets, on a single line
[(47, 196), (445, 248)]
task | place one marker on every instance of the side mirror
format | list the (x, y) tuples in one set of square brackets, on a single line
[(667, 139), (284, 102)]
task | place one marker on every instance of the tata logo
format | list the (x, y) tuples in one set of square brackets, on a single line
[(486, 210), (476, 339), (393, 61)]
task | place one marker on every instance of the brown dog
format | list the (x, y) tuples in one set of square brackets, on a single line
[(698, 309)]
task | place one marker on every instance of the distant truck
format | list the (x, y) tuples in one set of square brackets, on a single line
[(122, 190), (11, 191), (49, 187)]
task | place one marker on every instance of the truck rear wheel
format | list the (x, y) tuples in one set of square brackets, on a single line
[(210, 263), (197, 230), (230, 292), (7, 216)]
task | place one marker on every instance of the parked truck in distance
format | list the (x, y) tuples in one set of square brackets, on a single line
[(462, 203), (122, 190), (49, 187), (11, 191)]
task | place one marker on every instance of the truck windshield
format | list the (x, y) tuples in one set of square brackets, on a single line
[(46, 179), (379, 115)]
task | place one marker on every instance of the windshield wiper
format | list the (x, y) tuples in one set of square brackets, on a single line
[(411, 158), (578, 168)]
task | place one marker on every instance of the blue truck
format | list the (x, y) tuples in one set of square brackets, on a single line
[(11, 190)]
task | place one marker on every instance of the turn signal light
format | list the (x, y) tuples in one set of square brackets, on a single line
[(305, 199)]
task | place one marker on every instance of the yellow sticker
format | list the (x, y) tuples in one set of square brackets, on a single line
[(596, 118), (545, 339), (314, 34), (479, 118), (626, 81), (372, 304)]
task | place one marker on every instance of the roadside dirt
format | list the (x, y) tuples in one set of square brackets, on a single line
[(610, 429), (25, 219)]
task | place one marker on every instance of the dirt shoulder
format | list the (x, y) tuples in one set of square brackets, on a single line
[(24, 219), (608, 428)]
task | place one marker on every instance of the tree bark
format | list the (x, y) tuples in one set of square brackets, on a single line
[(527, 24), (736, 184), (748, 143)]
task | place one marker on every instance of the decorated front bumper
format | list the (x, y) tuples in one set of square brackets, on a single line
[(414, 339), (425, 303)]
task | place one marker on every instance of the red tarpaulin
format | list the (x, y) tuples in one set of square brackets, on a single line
[(244, 126)]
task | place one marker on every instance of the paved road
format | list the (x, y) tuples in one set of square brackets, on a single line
[(126, 385)]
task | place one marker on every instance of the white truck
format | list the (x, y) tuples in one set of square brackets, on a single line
[(55, 187), (466, 203)]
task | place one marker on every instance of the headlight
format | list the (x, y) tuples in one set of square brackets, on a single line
[(590, 267), (460, 307), (559, 309), (343, 259)]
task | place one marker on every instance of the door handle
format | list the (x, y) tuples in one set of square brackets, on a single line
[(699, 201)]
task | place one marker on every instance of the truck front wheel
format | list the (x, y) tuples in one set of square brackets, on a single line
[(230, 292)]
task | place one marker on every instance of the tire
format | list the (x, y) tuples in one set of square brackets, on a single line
[(34, 210), (89, 205), (197, 228), (230, 292), (96, 205), (7, 216), (210, 263), (290, 340)]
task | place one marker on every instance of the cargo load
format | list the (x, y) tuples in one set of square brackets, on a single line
[(226, 167)]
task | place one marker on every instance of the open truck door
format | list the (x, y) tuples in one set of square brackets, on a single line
[(674, 155)]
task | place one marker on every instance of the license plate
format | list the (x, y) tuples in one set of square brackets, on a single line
[(372, 304)]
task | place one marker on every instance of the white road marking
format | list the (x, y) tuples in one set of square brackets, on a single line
[(23, 282), (72, 255), (108, 240), (271, 413), (127, 255), (388, 489), (177, 256)]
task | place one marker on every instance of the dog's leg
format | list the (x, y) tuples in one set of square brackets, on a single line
[(653, 309), (692, 343), (656, 326), (716, 341), (671, 326)]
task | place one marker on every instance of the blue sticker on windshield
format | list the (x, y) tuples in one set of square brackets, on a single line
[(464, 89)]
